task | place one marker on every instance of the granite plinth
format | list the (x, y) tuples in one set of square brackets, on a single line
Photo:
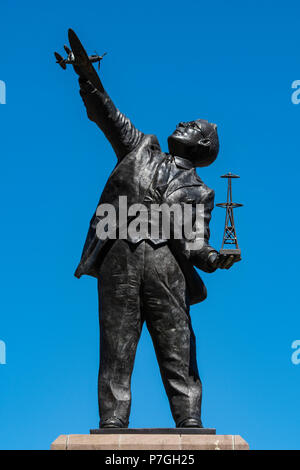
[(149, 441)]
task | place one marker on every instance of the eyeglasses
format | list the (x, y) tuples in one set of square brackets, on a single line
[(191, 124)]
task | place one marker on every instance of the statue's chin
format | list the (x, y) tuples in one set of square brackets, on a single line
[(177, 145)]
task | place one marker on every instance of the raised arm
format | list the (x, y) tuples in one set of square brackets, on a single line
[(118, 129)]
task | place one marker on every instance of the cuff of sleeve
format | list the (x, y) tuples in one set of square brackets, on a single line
[(207, 256)]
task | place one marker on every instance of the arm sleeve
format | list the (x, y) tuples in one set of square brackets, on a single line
[(198, 250), (118, 129)]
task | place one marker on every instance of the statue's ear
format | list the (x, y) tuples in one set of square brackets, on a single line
[(205, 142)]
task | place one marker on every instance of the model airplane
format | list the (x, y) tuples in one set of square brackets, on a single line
[(71, 58)]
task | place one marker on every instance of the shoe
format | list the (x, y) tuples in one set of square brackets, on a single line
[(190, 423), (112, 423)]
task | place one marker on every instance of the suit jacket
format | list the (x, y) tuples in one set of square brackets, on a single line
[(146, 175)]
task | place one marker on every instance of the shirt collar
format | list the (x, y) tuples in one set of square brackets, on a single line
[(183, 163)]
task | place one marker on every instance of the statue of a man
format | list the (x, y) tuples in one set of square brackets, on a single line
[(143, 279)]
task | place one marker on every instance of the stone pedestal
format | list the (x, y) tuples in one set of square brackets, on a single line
[(150, 439)]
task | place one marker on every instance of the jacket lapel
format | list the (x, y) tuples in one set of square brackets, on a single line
[(186, 178)]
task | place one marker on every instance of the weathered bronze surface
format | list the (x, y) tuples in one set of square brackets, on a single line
[(151, 280)]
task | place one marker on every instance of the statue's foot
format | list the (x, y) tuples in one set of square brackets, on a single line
[(190, 423), (112, 423)]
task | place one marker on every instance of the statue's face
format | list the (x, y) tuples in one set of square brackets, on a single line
[(187, 133), (196, 141)]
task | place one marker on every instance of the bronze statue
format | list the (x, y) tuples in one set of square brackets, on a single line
[(146, 279)]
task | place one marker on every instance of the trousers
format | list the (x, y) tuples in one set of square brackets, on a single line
[(140, 283)]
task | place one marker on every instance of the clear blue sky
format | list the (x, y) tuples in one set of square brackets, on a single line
[(230, 62)]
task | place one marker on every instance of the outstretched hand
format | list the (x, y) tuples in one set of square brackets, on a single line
[(222, 261), (81, 62)]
